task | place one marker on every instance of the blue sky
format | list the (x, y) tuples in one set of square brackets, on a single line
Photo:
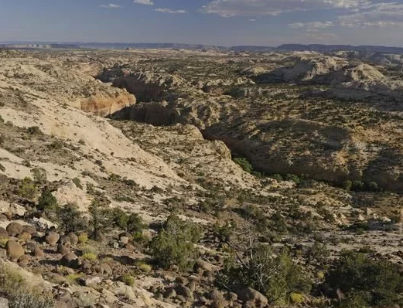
[(218, 22)]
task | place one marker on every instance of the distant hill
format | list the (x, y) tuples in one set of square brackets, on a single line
[(38, 46), (319, 47), (149, 46), (241, 48)]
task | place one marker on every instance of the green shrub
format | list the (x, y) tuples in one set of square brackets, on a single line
[(146, 268), (174, 244), (129, 223), (71, 219), (33, 130), (89, 256), (294, 178), (277, 177), (56, 145), (100, 217), (275, 276), (127, 279), (77, 182), (244, 163), (366, 281), (47, 202), (27, 189), (83, 238), (39, 175), (347, 185)]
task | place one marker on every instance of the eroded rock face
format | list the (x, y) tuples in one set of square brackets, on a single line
[(104, 106), (159, 114)]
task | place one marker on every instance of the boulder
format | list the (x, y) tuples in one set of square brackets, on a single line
[(70, 260), (14, 250), (3, 232), (88, 281), (24, 236), (253, 297), (73, 238), (52, 238), (23, 261), (181, 290), (63, 249), (106, 269), (38, 252), (30, 229), (14, 229), (3, 302)]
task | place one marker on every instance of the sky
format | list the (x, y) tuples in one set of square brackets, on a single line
[(213, 22)]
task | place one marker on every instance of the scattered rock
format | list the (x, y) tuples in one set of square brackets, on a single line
[(14, 250), (73, 238), (3, 302), (70, 260), (63, 249), (252, 296), (184, 291), (52, 238), (3, 232), (29, 229), (14, 229), (38, 252), (24, 260), (24, 236)]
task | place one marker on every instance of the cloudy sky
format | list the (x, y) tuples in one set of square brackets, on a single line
[(218, 22)]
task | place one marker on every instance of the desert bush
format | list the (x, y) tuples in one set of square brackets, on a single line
[(33, 130), (77, 182), (100, 217), (89, 256), (244, 163), (174, 244), (56, 145), (127, 279), (47, 202), (39, 175), (16, 290), (27, 189), (293, 177), (275, 276), (71, 219), (128, 223), (366, 281), (83, 238)]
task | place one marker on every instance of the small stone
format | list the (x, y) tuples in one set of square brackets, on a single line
[(123, 240)]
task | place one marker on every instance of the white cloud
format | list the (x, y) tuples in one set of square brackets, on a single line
[(144, 2), (312, 26), (111, 6), (253, 8), (375, 15), (169, 11)]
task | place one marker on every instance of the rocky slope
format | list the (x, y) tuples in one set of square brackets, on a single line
[(75, 154)]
